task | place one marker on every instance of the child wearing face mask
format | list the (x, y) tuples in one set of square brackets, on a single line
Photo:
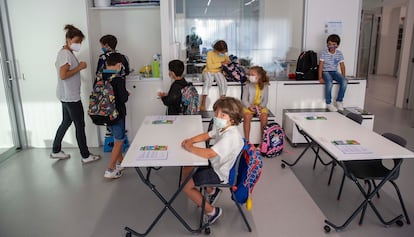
[(117, 128), (213, 71), (328, 72), (222, 155), (108, 46), (254, 98), (172, 99), (68, 92)]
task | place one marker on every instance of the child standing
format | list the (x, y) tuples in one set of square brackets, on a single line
[(214, 61), (108, 44), (172, 99), (254, 98), (328, 71), (222, 155), (112, 73)]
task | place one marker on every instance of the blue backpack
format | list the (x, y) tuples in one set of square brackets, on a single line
[(247, 171), (272, 145)]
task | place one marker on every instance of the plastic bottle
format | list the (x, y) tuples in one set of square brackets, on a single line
[(156, 67)]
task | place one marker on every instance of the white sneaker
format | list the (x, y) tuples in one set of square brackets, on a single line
[(59, 155), (340, 105), (112, 174), (119, 167), (91, 158), (331, 108)]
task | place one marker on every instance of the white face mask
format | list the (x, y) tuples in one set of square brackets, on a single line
[(253, 79), (75, 47), (220, 123)]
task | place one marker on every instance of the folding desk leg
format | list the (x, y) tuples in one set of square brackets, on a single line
[(284, 163), (167, 205)]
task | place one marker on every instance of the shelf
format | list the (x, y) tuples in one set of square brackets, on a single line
[(124, 7)]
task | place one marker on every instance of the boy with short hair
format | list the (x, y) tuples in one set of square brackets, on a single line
[(117, 128), (172, 99), (328, 71), (108, 44), (222, 155)]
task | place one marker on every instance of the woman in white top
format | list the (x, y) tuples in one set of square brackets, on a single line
[(68, 92)]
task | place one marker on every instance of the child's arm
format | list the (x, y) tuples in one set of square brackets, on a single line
[(342, 67), (320, 72), (188, 144)]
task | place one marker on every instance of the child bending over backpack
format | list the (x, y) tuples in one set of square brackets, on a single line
[(112, 73), (215, 59), (172, 99), (222, 155), (255, 96)]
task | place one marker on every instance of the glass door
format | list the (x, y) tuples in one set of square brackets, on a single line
[(9, 141)]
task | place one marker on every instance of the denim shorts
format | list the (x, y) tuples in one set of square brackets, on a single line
[(206, 175), (118, 130)]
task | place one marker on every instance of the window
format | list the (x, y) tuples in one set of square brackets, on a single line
[(262, 32)]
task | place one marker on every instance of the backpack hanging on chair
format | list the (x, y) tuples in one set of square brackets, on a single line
[(189, 100)]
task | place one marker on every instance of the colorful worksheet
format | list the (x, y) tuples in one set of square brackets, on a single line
[(153, 152), (164, 120), (351, 147)]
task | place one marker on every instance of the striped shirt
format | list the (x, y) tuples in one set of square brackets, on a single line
[(331, 61)]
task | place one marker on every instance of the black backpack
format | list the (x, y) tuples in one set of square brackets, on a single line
[(307, 66)]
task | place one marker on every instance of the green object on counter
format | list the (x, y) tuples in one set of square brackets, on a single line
[(155, 68)]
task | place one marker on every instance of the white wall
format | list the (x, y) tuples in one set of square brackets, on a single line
[(37, 34), (319, 12), (388, 39)]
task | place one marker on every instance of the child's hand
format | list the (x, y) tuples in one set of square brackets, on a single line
[(82, 65), (252, 108), (225, 62), (129, 92), (321, 80), (186, 144), (161, 94)]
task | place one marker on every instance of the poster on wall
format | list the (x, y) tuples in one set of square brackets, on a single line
[(333, 27)]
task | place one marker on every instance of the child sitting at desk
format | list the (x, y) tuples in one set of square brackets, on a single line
[(222, 155), (255, 96)]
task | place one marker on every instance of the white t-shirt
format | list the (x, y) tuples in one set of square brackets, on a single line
[(227, 146), (67, 90)]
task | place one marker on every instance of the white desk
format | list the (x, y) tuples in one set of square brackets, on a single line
[(170, 135), (334, 127), (339, 127)]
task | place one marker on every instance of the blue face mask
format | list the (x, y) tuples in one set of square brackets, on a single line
[(104, 50), (219, 122), (110, 71)]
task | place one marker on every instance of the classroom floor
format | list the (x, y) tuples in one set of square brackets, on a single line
[(40, 197)]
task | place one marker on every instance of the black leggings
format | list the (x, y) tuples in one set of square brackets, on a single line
[(72, 111)]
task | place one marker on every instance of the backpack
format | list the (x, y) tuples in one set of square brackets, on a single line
[(234, 71), (307, 66), (272, 145), (189, 99), (102, 109), (247, 171)]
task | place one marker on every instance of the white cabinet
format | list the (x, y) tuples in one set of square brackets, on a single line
[(310, 94)]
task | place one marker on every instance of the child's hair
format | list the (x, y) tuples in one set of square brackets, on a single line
[(334, 38), (263, 77), (72, 32), (177, 67), (231, 106), (113, 59), (110, 40), (220, 46)]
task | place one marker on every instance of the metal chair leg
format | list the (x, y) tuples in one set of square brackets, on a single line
[(401, 202)]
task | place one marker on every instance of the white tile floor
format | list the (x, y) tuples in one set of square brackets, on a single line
[(44, 197)]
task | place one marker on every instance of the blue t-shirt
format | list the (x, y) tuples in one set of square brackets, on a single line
[(331, 61)]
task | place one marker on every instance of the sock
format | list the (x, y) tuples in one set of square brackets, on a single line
[(212, 213)]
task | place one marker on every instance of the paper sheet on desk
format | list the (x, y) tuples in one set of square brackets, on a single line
[(152, 155), (156, 152), (351, 147)]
